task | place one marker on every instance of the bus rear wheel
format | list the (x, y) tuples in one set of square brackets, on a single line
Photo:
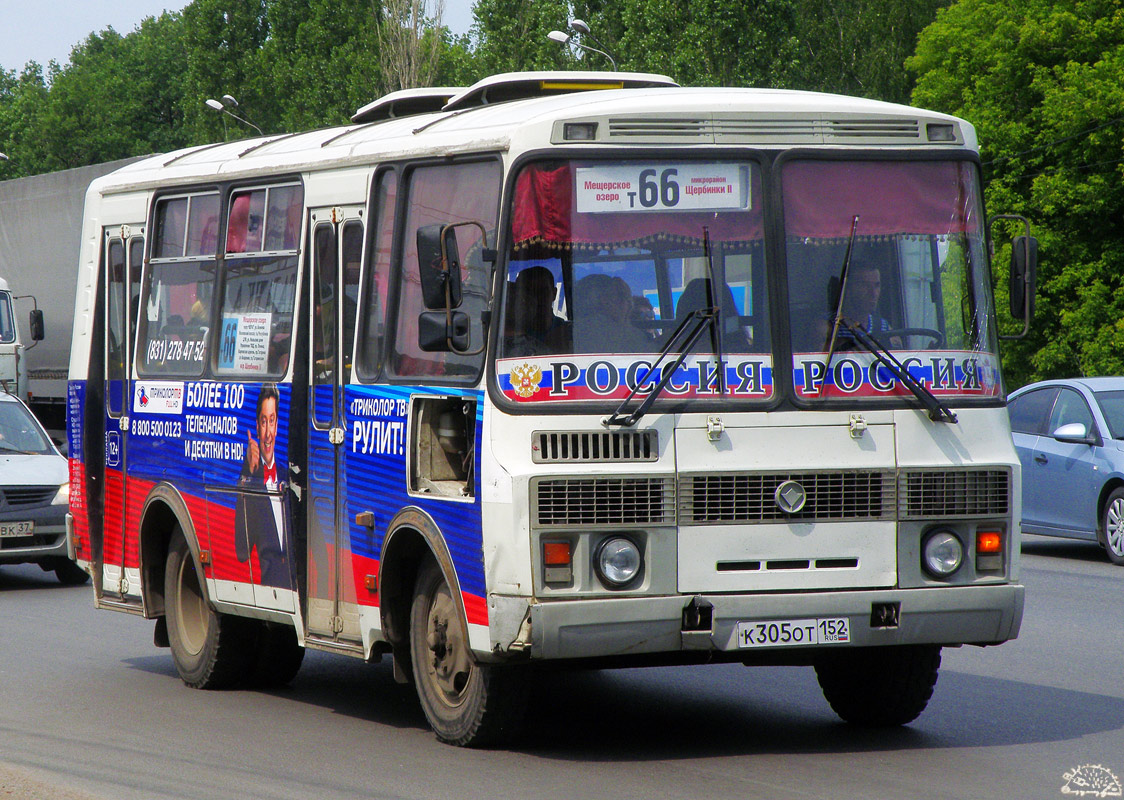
[(467, 704), (210, 650), (879, 687)]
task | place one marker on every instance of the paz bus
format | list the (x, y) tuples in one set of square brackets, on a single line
[(571, 369)]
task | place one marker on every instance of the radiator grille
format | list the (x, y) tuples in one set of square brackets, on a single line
[(955, 493), (604, 501), (585, 447), (724, 499), (20, 496)]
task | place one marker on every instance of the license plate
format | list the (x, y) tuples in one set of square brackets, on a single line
[(793, 632), (17, 528)]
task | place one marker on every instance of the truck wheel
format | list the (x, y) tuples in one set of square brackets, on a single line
[(210, 650), (278, 656), (466, 703), (879, 687)]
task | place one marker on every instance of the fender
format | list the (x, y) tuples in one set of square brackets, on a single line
[(163, 507), (417, 521)]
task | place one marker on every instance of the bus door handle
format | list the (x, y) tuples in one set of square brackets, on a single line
[(1041, 459), (335, 435)]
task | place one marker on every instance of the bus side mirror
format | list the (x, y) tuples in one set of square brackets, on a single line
[(439, 331), (36, 324), (439, 266), (1024, 263)]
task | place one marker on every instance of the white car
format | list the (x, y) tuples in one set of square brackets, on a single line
[(34, 493)]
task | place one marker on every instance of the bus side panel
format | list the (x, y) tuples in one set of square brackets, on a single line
[(84, 550), (377, 446)]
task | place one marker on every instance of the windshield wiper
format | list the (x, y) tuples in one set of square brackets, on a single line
[(689, 334), (938, 411), (837, 317)]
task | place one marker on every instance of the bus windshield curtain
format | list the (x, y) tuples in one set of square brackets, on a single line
[(889, 197), (544, 215)]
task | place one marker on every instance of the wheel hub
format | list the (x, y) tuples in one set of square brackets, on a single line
[(449, 664)]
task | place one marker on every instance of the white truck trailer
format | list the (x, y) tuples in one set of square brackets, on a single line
[(40, 236)]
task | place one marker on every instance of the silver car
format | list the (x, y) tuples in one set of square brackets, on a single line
[(34, 492), (1068, 434)]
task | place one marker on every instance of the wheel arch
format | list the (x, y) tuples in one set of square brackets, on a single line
[(1111, 485), (163, 510), (412, 536)]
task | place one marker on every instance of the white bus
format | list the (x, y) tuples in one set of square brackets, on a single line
[(583, 368)]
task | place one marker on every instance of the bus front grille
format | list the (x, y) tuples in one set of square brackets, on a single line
[(589, 447), (723, 499), (603, 501), (955, 493)]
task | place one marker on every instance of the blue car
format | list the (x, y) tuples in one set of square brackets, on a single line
[(1068, 434)]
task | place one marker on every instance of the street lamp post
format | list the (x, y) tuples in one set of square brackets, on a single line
[(221, 107), (579, 26)]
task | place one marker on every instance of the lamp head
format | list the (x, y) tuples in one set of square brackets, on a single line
[(212, 103), (559, 36), (579, 26)]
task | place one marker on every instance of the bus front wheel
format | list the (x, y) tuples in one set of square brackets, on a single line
[(466, 703), (879, 687), (210, 650)]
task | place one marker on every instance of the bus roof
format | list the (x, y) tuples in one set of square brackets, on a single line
[(658, 115)]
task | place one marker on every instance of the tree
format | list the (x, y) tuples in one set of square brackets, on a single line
[(1043, 80), (409, 42)]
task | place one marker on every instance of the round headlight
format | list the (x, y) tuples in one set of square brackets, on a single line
[(617, 561), (942, 553)]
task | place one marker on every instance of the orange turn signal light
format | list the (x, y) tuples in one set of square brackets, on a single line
[(556, 554), (989, 542)]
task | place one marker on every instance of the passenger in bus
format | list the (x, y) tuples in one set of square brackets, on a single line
[(694, 298), (602, 311), (643, 316), (534, 329), (262, 507)]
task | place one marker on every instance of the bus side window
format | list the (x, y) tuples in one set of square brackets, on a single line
[(444, 195), (174, 309), (377, 281)]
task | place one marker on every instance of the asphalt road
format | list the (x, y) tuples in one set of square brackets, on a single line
[(90, 707)]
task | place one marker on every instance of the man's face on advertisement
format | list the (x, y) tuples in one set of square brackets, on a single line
[(267, 429)]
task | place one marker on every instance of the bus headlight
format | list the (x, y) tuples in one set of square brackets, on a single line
[(617, 561), (942, 553)]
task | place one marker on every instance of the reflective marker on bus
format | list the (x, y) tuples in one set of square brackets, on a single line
[(717, 382)]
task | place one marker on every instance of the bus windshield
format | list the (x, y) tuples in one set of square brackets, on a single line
[(610, 258), (896, 250)]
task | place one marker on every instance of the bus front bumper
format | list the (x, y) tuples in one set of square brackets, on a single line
[(628, 626)]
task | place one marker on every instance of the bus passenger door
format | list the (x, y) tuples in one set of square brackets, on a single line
[(124, 252), (337, 237)]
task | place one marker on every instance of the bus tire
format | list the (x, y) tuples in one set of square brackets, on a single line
[(210, 650), (278, 656), (467, 704), (879, 687)]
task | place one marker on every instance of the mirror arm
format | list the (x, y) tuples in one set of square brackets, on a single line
[(449, 289)]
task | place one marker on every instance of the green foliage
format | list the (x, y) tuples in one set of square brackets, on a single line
[(1044, 83)]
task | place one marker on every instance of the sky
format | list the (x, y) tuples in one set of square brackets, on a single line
[(49, 30)]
